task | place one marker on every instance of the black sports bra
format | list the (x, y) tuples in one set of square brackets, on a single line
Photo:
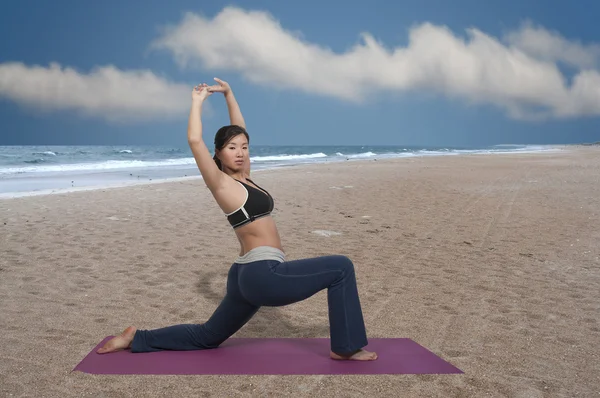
[(258, 203)]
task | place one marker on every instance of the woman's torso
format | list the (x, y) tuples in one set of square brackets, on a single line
[(262, 231)]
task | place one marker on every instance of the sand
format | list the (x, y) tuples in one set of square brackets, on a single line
[(489, 261)]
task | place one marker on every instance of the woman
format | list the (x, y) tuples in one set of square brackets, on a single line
[(260, 276)]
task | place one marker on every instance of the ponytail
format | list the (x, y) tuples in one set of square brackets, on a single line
[(218, 162)]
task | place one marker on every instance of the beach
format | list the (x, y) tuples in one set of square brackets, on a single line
[(491, 262)]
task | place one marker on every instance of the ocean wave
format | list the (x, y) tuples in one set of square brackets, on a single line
[(96, 166), (361, 155), (35, 161), (171, 150), (275, 158)]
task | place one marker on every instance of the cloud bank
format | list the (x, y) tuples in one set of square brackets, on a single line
[(105, 92), (552, 47), (518, 73)]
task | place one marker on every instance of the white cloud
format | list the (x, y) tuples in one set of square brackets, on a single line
[(105, 92), (520, 78), (551, 46)]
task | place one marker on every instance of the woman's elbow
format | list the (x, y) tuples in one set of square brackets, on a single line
[(194, 141)]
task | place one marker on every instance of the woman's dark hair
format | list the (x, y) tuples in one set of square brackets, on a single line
[(224, 134)]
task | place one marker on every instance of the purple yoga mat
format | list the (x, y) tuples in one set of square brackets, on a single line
[(272, 356)]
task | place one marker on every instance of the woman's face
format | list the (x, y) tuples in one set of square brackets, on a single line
[(235, 155)]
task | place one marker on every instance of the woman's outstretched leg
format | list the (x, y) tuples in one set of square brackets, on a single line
[(232, 313), (227, 319), (277, 284)]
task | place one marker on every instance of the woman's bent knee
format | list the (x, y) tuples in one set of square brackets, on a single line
[(345, 264)]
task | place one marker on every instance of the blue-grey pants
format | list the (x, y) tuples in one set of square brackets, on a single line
[(271, 283)]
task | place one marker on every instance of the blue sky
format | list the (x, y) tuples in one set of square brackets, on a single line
[(427, 72)]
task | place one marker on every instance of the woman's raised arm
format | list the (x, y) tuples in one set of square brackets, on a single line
[(213, 177), (235, 113)]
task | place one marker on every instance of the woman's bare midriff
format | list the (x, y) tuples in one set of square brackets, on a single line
[(261, 232)]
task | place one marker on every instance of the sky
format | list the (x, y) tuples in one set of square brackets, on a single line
[(419, 72)]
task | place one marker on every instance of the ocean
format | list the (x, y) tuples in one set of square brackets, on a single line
[(32, 170)]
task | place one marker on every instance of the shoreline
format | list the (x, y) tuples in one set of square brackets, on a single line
[(126, 184)]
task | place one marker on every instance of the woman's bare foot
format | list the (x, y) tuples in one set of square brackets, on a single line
[(360, 355), (118, 343)]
